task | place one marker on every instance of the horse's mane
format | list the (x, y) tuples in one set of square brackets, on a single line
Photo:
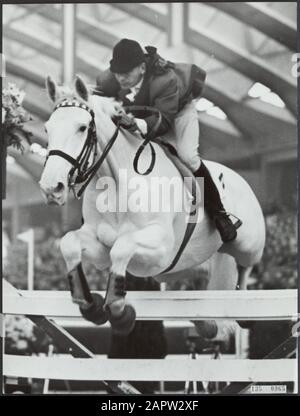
[(65, 92), (108, 105)]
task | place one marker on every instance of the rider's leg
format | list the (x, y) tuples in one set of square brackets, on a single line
[(214, 206), (186, 126)]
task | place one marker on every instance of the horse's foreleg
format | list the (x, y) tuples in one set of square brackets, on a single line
[(73, 246), (72, 253), (71, 249), (151, 246)]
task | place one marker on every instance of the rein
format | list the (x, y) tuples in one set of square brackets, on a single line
[(150, 136)]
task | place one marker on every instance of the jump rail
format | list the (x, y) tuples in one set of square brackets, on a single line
[(193, 305), (68, 368), (168, 305)]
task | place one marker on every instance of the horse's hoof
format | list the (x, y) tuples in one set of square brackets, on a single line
[(206, 329), (246, 324), (125, 323), (95, 312)]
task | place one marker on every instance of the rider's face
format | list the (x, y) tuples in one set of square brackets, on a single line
[(131, 78)]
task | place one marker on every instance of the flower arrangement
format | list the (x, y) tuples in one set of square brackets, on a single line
[(14, 116), (19, 334), (22, 337)]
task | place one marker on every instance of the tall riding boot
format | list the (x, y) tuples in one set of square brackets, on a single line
[(215, 208)]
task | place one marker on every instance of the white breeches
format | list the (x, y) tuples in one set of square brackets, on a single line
[(186, 133)]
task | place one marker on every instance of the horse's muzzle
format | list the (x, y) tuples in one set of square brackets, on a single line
[(55, 195)]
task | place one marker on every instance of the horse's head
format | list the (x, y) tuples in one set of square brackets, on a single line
[(69, 130)]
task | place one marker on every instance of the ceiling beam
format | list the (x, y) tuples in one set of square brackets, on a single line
[(45, 48), (34, 42), (25, 74), (239, 112), (253, 67), (144, 13), (31, 104), (213, 130), (256, 120), (264, 19), (244, 62), (55, 53), (220, 97), (253, 123), (83, 24)]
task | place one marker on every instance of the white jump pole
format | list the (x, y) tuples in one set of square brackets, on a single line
[(69, 43), (47, 380), (28, 237), (175, 29), (68, 60)]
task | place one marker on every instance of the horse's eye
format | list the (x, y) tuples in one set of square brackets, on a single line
[(82, 129), (45, 128)]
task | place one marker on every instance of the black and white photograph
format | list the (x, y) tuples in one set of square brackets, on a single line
[(149, 201)]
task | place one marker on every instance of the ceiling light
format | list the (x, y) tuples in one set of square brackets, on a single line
[(273, 99), (258, 90), (217, 112), (203, 104)]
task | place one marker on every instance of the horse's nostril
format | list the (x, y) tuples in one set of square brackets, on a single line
[(59, 187)]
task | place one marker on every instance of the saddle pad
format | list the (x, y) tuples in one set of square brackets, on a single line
[(219, 177), (192, 186), (216, 171)]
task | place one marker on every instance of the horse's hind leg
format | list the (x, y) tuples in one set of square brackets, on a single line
[(244, 273), (223, 275)]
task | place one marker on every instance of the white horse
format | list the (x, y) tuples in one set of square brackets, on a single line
[(141, 243)]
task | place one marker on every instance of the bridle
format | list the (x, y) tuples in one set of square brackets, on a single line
[(81, 172)]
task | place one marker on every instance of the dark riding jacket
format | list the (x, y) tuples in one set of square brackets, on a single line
[(166, 86)]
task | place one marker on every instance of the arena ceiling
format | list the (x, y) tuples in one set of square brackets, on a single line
[(250, 100)]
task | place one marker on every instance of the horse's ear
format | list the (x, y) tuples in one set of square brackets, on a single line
[(81, 88), (51, 88)]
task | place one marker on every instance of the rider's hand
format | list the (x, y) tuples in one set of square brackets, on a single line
[(126, 121), (130, 123), (142, 125)]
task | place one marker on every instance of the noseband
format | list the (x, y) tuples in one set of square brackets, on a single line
[(81, 172)]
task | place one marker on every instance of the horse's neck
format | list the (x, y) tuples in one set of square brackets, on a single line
[(119, 155)]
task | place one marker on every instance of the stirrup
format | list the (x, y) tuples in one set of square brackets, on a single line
[(238, 222)]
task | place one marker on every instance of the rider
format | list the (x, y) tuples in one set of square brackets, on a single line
[(138, 78)]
